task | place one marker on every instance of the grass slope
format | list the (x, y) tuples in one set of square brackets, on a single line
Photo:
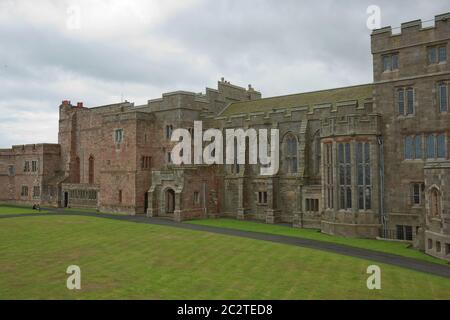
[(123, 260), (398, 248)]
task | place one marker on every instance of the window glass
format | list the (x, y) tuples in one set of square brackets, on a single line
[(418, 146), (441, 146), (430, 146), (442, 54), (401, 102), (410, 97), (432, 55), (443, 97), (409, 148)]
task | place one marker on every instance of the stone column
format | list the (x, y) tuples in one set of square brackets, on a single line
[(241, 209), (177, 213), (150, 211)]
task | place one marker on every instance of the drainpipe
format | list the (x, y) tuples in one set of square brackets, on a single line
[(384, 218)]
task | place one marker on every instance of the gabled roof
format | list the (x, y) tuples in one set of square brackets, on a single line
[(359, 93)]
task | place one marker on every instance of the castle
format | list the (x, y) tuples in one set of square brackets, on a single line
[(367, 161)]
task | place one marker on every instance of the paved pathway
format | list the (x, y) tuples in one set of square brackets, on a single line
[(380, 257)]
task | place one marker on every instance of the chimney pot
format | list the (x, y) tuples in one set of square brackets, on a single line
[(80, 105)]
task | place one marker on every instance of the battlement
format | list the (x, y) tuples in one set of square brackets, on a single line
[(410, 33)]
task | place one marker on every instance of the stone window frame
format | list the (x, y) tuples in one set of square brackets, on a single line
[(416, 153), (412, 193), (290, 154), (24, 191), (364, 167), (344, 164), (262, 199), (11, 170), (436, 50), (36, 192), (34, 166), (312, 205), (404, 232), (196, 198), (169, 131), (119, 135), (329, 174), (26, 166), (146, 163), (440, 85), (390, 62), (435, 144), (403, 101)]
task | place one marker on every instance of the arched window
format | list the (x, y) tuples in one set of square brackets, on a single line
[(91, 169), (290, 157), (435, 203)]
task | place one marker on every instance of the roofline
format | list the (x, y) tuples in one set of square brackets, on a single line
[(296, 94)]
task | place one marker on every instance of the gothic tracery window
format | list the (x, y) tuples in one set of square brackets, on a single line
[(291, 154)]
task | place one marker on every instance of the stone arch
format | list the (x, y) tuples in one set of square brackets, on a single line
[(435, 202)]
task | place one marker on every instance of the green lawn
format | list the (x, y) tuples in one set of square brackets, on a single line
[(124, 260), (398, 248), (5, 210)]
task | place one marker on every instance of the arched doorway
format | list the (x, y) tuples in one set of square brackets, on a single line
[(170, 201)]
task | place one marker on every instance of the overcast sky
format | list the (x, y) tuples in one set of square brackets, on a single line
[(100, 51)]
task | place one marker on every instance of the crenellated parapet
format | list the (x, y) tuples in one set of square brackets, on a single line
[(410, 33)]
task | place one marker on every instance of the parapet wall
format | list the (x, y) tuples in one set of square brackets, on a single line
[(411, 33)]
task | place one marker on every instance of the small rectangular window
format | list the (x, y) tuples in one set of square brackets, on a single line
[(262, 197), (26, 167), (36, 191), (391, 62), (438, 246), (447, 250), (34, 166), (196, 197), (120, 196), (11, 171), (118, 137), (24, 192), (416, 193)]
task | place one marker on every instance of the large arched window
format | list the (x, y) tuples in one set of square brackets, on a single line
[(290, 154), (91, 169), (435, 203)]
